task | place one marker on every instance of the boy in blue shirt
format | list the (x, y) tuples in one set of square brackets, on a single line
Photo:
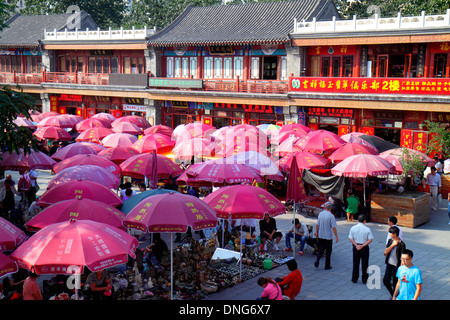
[(409, 284)]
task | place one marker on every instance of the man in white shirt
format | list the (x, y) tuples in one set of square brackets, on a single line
[(360, 236), (325, 227), (434, 181)]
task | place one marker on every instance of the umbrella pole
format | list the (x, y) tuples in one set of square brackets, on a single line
[(293, 230), (171, 266), (364, 191), (240, 258)]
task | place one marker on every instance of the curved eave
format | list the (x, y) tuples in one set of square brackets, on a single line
[(215, 43)]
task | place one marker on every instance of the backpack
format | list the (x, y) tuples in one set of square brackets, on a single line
[(24, 183)]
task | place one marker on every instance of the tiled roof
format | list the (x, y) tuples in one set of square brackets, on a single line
[(265, 22), (27, 31)]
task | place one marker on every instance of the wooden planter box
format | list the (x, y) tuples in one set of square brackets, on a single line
[(410, 208), (445, 185)]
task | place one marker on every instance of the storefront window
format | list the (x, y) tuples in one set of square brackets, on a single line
[(440, 65)]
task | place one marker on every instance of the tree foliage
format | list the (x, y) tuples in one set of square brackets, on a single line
[(440, 138)]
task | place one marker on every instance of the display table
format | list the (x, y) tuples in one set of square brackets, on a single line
[(411, 208)]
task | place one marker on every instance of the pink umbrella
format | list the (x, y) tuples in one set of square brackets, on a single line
[(24, 122), (405, 153), (295, 189), (136, 120), (159, 142), (127, 127), (80, 243), (52, 133), (7, 265), (93, 159), (55, 121), (115, 140), (93, 134), (198, 147), (295, 127), (244, 202), (83, 189), (77, 209), (194, 130), (91, 123), (74, 149), (159, 129), (355, 137), (118, 154), (141, 166), (104, 116), (363, 165), (304, 160), (287, 147), (49, 114), (230, 150), (19, 161), (320, 141), (87, 172), (395, 161), (10, 236), (211, 173), (350, 149)]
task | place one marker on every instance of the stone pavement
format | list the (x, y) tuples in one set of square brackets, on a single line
[(430, 243)]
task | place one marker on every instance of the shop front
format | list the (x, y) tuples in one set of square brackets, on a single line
[(337, 120)]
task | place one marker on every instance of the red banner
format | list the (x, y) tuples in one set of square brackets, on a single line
[(406, 139), (420, 141), (417, 86)]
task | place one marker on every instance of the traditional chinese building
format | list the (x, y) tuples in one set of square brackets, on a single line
[(381, 76)]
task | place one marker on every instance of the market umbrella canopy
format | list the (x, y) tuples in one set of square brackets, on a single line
[(94, 134), (193, 130), (136, 120), (115, 140), (363, 165), (159, 129), (395, 161), (350, 149), (185, 149), (55, 121), (280, 138), (244, 202), (80, 243), (211, 173), (76, 148), (141, 165), (52, 133), (10, 235), (82, 159), (20, 161), (24, 122), (320, 141), (304, 160), (171, 212), (118, 154), (83, 189), (230, 150), (287, 147), (104, 116), (133, 201), (295, 189), (295, 127), (77, 209), (127, 127), (355, 137), (7, 265), (379, 143), (404, 154), (87, 172), (159, 142), (92, 123)]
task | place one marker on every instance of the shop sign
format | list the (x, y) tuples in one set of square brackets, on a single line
[(214, 50), (175, 83), (419, 86), (134, 107), (100, 52), (332, 50), (54, 103), (330, 112), (71, 97), (368, 130), (406, 138), (420, 141)]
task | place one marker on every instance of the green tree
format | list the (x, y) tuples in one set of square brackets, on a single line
[(440, 138), (106, 13)]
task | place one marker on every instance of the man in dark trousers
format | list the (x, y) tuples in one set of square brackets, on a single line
[(325, 227), (360, 236)]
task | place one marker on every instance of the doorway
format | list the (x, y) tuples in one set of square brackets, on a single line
[(270, 68)]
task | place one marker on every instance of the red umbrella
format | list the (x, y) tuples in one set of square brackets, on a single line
[(93, 134), (83, 159), (349, 149), (230, 150), (74, 149), (127, 127), (115, 140), (185, 149), (7, 265), (320, 141), (295, 127), (55, 121), (363, 165), (83, 189), (91, 123), (118, 154), (57, 247), (295, 189), (19, 161), (77, 209), (193, 130), (244, 202), (104, 116), (87, 172), (355, 137), (136, 120), (221, 174), (287, 147), (24, 122), (395, 161), (280, 138), (141, 165), (304, 160), (405, 153), (52, 133), (10, 236), (49, 114), (156, 141), (159, 129)]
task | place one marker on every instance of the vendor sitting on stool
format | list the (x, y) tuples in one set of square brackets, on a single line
[(268, 228)]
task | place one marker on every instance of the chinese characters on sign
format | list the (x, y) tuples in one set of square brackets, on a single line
[(371, 85)]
